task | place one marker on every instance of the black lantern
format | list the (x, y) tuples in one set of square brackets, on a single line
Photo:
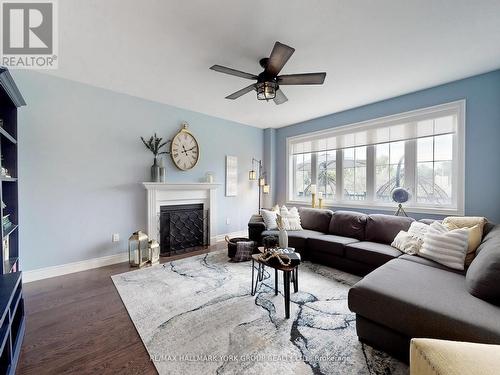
[(266, 90)]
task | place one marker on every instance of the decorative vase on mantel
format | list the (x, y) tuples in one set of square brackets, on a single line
[(283, 239), (163, 171), (155, 171)]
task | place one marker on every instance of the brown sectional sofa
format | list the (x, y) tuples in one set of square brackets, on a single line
[(348, 240), (402, 296)]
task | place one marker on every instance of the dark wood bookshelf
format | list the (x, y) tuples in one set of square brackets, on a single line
[(12, 321)]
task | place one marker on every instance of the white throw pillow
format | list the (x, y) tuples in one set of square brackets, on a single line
[(291, 218), (407, 243), (418, 230), (269, 218), (476, 227), (444, 246)]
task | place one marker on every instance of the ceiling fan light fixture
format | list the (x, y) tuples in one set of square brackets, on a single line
[(268, 83), (266, 90)]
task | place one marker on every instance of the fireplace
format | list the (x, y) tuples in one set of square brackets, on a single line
[(183, 228), (160, 194)]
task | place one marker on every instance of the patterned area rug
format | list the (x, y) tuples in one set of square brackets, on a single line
[(196, 316)]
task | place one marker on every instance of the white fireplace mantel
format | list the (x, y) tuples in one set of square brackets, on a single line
[(168, 194)]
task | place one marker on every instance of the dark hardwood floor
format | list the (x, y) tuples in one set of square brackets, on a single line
[(77, 324)]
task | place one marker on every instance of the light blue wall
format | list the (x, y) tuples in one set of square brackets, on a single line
[(81, 161), (82, 164), (482, 159)]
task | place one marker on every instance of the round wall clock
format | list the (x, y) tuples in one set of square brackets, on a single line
[(184, 149)]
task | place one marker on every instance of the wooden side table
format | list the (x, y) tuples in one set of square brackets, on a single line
[(290, 275)]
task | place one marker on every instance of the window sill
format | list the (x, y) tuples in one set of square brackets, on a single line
[(385, 208)]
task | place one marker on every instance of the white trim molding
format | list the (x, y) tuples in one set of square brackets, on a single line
[(241, 233), (167, 194), (84, 265), (64, 269)]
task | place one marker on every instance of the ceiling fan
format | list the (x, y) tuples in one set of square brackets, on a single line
[(269, 82)]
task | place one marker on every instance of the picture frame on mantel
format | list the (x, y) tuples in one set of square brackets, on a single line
[(231, 176)]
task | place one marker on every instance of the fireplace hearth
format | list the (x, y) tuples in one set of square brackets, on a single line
[(183, 228)]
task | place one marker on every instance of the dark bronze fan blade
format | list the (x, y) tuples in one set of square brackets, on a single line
[(279, 56), (302, 79), (280, 98), (241, 92), (233, 72)]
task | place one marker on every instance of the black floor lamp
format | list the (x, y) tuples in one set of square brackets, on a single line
[(259, 175)]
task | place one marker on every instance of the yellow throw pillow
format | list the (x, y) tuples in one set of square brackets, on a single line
[(465, 221), (475, 226)]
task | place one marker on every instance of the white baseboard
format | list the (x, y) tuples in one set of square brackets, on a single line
[(64, 269), (241, 233), (83, 265)]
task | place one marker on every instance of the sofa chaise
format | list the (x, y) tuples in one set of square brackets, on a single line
[(401, 296)]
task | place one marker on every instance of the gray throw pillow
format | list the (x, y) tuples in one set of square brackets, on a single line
[(483, 276)]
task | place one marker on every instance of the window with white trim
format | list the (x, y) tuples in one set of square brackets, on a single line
[(360, 164)]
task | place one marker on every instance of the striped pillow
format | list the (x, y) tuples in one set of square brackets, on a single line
[(444, 246)]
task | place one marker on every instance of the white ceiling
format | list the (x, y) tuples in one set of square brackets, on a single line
[(371, 50)]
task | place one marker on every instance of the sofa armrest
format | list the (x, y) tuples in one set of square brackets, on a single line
[(255, 228)]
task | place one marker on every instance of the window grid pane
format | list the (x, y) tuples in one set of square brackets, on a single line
[(327, 170), (389, 169), (435, 170), (354, 174)]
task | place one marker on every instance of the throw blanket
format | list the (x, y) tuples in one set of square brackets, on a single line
[(244, 250)]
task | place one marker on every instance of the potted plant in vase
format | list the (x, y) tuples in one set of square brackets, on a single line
[(155, 144)]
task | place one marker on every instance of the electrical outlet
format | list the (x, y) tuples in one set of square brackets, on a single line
[(228, 221), (116, 237)]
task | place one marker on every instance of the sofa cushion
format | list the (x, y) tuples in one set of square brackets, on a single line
[(372, 253), (384, 228), (348, 224), (429, 263), (296, 239), (329, 244), (420, 301), (483, 275), (315, 219)]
